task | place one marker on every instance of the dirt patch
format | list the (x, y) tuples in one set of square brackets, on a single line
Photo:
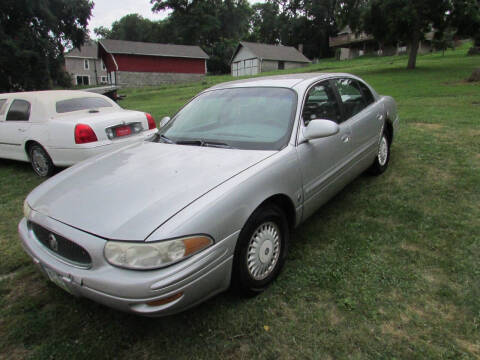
[(410, 247), (31, 285), (395, 329), (15, 353), (470, 347), (429, 126)]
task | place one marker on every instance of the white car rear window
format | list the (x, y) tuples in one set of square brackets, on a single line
[(77, 104)]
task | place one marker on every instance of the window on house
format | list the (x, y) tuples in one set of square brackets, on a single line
[(83, 80), (86, 64), (281, 65), (19, 111), (103, 79), (104, 68)]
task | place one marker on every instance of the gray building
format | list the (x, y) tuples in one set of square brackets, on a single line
[(84, 65), (254, 58)]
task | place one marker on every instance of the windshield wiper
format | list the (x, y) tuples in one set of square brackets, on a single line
[(217, 144), (166, 139), (204, 143)]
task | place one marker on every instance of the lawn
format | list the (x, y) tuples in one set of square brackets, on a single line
[(390, 268)]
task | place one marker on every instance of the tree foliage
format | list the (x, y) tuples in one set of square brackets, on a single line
[(395, 21), (33, 36)]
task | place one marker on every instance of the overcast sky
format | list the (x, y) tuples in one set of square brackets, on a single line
[(106, 12)]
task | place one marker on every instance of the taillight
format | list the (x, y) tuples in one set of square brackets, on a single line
[(84, 134), (151, 121)]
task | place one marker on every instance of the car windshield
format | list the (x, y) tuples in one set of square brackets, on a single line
[(84, 103), (243, 118)]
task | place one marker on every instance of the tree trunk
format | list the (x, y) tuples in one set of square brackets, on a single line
[(412, 58)]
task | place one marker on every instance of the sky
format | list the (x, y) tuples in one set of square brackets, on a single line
[(106, 12)]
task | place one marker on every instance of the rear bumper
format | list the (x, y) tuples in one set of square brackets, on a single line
[(71, 156), (195, 279)]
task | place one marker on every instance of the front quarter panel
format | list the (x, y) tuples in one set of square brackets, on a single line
[(224, 210)]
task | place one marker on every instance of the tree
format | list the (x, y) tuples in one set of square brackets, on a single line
[(394, 21), (33, 36), (265, 24), (215, 25)]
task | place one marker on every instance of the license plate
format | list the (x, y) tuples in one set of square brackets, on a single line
[(57, 279), (123, 131)]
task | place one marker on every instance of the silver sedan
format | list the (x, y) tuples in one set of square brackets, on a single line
[(160, 226)]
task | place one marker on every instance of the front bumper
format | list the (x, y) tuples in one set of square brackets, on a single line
[(196, 279)]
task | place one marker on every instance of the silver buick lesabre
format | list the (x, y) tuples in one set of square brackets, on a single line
[(157, 227)]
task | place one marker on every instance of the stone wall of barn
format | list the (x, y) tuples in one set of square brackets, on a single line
[(139, 79)]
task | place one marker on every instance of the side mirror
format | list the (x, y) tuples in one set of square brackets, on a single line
[(317, 129), (164, 121)]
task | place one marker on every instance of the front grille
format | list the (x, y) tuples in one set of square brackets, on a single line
[(61, 246)]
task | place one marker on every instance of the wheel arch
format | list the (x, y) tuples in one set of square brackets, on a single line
[(286, 204), (389, 130), (30, 143)]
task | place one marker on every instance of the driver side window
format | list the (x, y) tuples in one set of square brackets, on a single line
[(321, 103)]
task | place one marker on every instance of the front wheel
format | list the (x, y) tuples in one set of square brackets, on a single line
[(41, 162), (261, 250), (382, 159)]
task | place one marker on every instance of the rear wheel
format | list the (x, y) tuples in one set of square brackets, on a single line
[(41, 162), (383, 156), (261, 250)]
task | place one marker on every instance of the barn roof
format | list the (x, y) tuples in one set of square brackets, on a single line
[(152, 49), (88, 50), (273, 52)]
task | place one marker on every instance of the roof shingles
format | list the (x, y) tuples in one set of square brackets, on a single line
[(152, 49), (275, 52)]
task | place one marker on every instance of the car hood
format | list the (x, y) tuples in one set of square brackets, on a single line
[(128, 193)]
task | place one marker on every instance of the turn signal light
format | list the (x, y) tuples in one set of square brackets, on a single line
[(84, 134), (151, 121), (165, 300)]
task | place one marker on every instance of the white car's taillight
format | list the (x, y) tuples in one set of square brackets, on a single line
[(151, 121), (84, 134)]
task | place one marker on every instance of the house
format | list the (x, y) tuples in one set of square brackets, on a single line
[(350, 45), (131, 63), (254, 58), (84, 65)]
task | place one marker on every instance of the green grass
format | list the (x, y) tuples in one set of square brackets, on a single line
[(388, 269)]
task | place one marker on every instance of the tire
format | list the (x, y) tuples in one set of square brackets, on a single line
[(41, 162), (382, 158), (259, 254)]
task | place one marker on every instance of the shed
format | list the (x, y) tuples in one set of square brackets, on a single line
[(253, 58), (131, 63)]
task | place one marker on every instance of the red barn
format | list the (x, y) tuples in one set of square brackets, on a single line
[(131, 63)]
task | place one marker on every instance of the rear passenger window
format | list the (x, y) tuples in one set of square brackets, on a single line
[(85, 103), (19, 111), (321, 103), (351, 95), (367, 94)]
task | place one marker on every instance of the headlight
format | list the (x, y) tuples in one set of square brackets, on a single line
[(147, 256), (27, 210)]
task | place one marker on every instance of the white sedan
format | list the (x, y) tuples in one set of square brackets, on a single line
[(61, 128)]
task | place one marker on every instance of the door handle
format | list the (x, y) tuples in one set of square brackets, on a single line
[(22, 130), (380, 117), (345, 138)]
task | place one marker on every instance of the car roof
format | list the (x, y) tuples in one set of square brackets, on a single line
[(285, 81), (49, 95)]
